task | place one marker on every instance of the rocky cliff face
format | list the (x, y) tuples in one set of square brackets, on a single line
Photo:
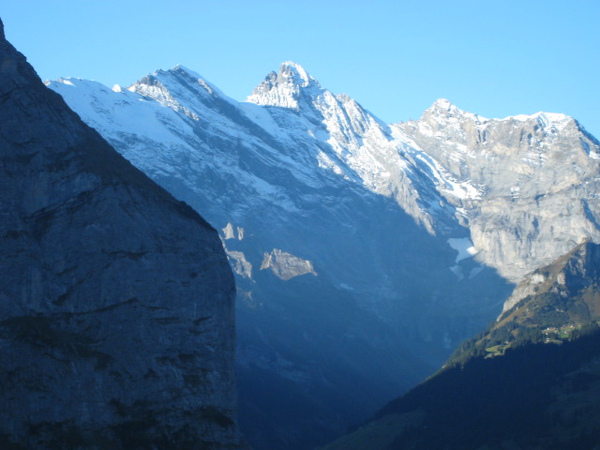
[(535, 180), (116, 300)]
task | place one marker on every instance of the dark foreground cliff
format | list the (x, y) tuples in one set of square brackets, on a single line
[(116, 300)]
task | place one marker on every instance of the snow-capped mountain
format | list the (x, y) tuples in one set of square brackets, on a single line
[(364, 252)]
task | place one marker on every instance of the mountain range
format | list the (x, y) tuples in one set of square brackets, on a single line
[(364, 253)]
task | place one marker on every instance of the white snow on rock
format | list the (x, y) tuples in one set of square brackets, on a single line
[(464, 247)]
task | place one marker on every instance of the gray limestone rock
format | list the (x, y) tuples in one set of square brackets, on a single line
[(116, 300), (285, 265), (536, 179)]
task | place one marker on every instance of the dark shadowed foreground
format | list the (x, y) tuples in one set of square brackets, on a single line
[(116, 300)]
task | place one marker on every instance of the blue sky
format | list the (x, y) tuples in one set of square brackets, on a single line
[(493, 58)]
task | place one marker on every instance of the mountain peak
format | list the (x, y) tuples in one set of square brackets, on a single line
[(2, 37), (546, 120), (194, 78), (190, 89), (286, 87), (442, 103), (182, 68), (296, 74), (443, 111), (444, 107)]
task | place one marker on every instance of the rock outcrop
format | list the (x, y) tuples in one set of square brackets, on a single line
[(116, 300), (574, 277), (285, 265)]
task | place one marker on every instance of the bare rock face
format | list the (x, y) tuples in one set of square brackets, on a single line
[(535, 178), (116, 300), (285, 265)]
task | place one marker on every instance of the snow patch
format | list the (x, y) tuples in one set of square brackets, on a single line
[(239, 263), (537, 278), (464, 247), (463, 190)]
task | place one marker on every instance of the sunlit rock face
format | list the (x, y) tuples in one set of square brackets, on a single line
[(116, 300), (285, 265), (535, 178)]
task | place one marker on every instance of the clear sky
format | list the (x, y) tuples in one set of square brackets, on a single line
[(491, 57)]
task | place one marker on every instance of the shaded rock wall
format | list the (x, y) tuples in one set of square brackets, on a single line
[(116, 300)]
